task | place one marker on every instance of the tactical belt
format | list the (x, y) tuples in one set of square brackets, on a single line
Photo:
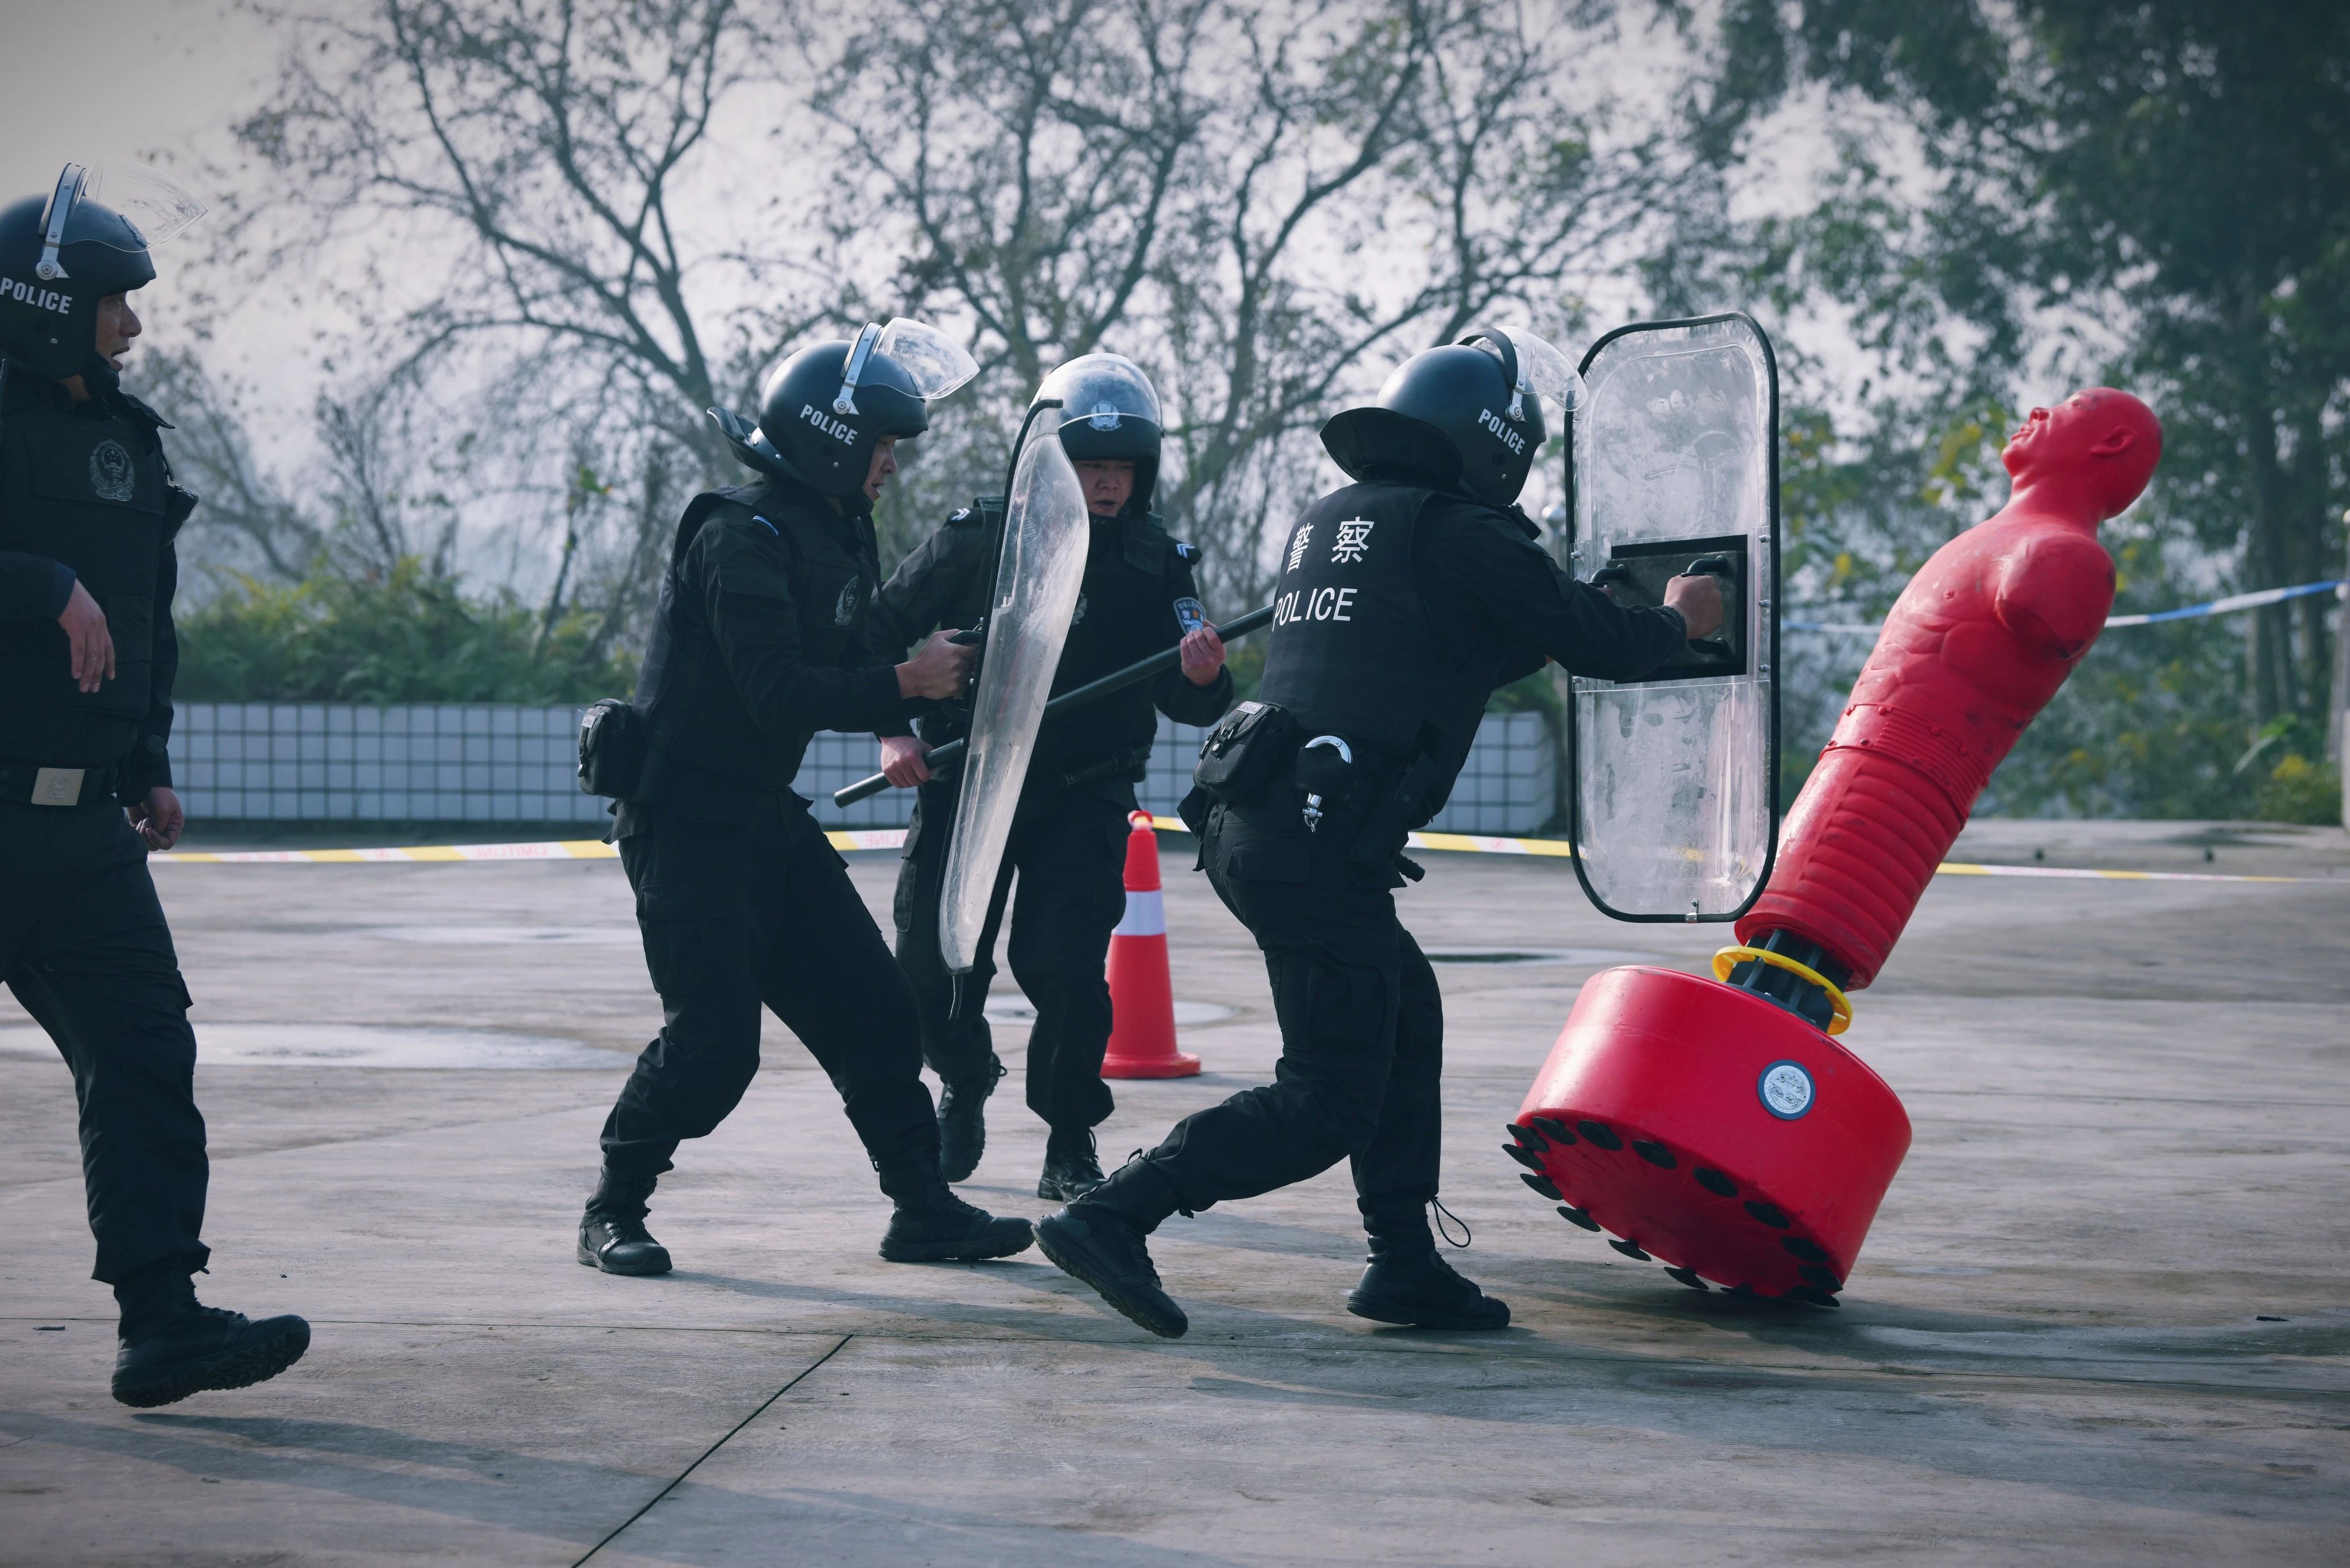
[(29, 783), (1131, 763)]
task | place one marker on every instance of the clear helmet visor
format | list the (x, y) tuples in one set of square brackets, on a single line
[(1548, 371), (122, 206), (1099, 391), (936, 363), (1542, 370)]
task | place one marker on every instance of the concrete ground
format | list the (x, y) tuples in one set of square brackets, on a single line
[(2103, 1315)]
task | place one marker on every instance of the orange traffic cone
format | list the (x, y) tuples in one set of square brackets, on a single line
[(1142, 997)]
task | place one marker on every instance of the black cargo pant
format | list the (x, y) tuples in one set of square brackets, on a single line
[(1362, 1034), (1068, 846), (84, 947), (735, 917)]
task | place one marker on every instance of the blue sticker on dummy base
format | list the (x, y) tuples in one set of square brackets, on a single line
[(1192, 613), (1786, 1091)]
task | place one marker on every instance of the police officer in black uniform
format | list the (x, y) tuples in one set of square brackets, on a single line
[(87, 513), (1069, 838), (761, 637), (1404, 600)]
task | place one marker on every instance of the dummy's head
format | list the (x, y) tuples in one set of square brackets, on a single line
[(2101, 444)]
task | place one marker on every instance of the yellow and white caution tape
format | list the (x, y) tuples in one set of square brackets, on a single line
[(1462, 843), (565, 849), (1962, 868), (559, 849), (895, 838)]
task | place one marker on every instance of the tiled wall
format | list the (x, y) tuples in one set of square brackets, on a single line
[(469, 762), (282, 762)]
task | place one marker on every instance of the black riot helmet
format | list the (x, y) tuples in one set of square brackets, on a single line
[(1109, 413), (1466, 417), (823, 409), (62, 254)]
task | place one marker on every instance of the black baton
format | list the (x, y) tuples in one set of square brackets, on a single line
[(1117, 680)]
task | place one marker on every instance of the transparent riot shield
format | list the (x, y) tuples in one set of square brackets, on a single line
[(1038, 574), (1672, 464)]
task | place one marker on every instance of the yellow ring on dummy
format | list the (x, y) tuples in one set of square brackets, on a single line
[(1840, 1017)]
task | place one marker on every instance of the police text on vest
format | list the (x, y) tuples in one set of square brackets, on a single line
[(1323, 604)]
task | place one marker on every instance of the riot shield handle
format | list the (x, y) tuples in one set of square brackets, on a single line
[(1714, 567)]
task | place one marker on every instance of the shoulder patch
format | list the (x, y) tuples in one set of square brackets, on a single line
[(982, 511), (1186, 553), (1190, 614)]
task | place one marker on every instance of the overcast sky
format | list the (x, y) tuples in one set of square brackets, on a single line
[(155, 81), (164, 81), (161, 80)]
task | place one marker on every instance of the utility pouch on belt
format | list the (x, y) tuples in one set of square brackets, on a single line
[(611, 749), (1243, 755)]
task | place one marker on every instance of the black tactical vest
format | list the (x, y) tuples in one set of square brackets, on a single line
[(694, 716), (92, 492), (1351, 652), (1136, 601)]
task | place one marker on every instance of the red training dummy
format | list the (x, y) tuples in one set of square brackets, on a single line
[(1717, 1127), (1975, 646)]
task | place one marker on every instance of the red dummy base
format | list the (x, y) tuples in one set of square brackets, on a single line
[(1713, 1131)]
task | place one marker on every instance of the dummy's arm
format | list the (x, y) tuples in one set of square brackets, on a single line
[(2052, 595)]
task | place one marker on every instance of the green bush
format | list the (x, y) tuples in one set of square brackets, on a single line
[(408, 636), (2298, 790)]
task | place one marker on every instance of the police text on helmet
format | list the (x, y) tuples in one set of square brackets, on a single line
[(1508, 437), (37, 298), (844, 433)]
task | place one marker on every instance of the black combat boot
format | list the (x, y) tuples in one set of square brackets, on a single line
[(962, 1120), (172, 1345), (1100, 1239), (1407, 1282), (1071, 1169), (931, 1225), (612, 1234)]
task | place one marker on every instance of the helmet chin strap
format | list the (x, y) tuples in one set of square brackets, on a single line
[(845, 402), (100, 379)]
